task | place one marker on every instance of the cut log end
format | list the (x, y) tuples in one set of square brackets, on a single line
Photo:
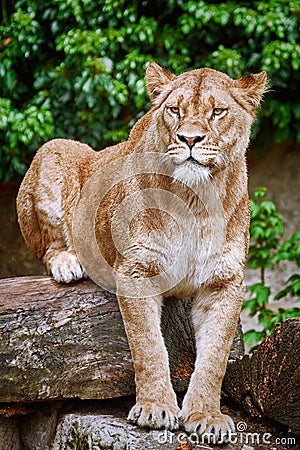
[(268, 382)]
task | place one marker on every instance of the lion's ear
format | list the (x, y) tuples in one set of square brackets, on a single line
[(156, 80), (249, 89)]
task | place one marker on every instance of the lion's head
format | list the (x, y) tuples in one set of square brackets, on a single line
[(203, 118)]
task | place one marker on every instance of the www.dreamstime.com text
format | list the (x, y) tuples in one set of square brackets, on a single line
[(241, 436)]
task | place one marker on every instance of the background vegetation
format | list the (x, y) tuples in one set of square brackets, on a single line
[(75, 68), (268, 247)]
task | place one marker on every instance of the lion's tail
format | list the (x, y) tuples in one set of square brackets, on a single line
[(27, 216)]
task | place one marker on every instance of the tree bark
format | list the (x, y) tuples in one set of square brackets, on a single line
[(61, 341)]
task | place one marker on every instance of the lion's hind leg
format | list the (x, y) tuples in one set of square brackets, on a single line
[(60, 258), (45, 205)]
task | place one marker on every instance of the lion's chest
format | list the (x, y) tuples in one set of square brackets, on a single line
[(179, 254)]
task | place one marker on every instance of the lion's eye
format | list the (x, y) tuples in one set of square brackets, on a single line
[(218, 111), (174, 109)]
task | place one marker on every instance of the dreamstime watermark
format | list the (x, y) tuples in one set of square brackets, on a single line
[(114, 206), (240, 436)]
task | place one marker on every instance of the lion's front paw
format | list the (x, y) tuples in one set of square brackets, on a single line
[(65, 267), (151, 415), (214, 427)]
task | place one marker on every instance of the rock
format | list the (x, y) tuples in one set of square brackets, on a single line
[(106, 431), (92, 430)]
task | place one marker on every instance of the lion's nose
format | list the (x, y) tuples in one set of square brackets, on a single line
[(190, 141)]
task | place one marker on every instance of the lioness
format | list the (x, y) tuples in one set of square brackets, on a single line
[(198, 128)]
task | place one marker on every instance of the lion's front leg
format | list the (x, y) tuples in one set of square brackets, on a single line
[(156, 404), (215, 316)]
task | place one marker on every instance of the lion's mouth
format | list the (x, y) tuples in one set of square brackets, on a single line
[(194, 161)]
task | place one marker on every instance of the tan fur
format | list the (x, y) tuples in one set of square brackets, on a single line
[(203, 114)]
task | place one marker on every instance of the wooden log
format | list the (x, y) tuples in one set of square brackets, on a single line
[(268, 382), (63, 341)]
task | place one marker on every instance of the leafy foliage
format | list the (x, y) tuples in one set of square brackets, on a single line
[(75, 68), (266, 229), (267, 249)]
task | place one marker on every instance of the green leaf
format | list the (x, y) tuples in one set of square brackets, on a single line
[(268, 206), (253, 337)]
